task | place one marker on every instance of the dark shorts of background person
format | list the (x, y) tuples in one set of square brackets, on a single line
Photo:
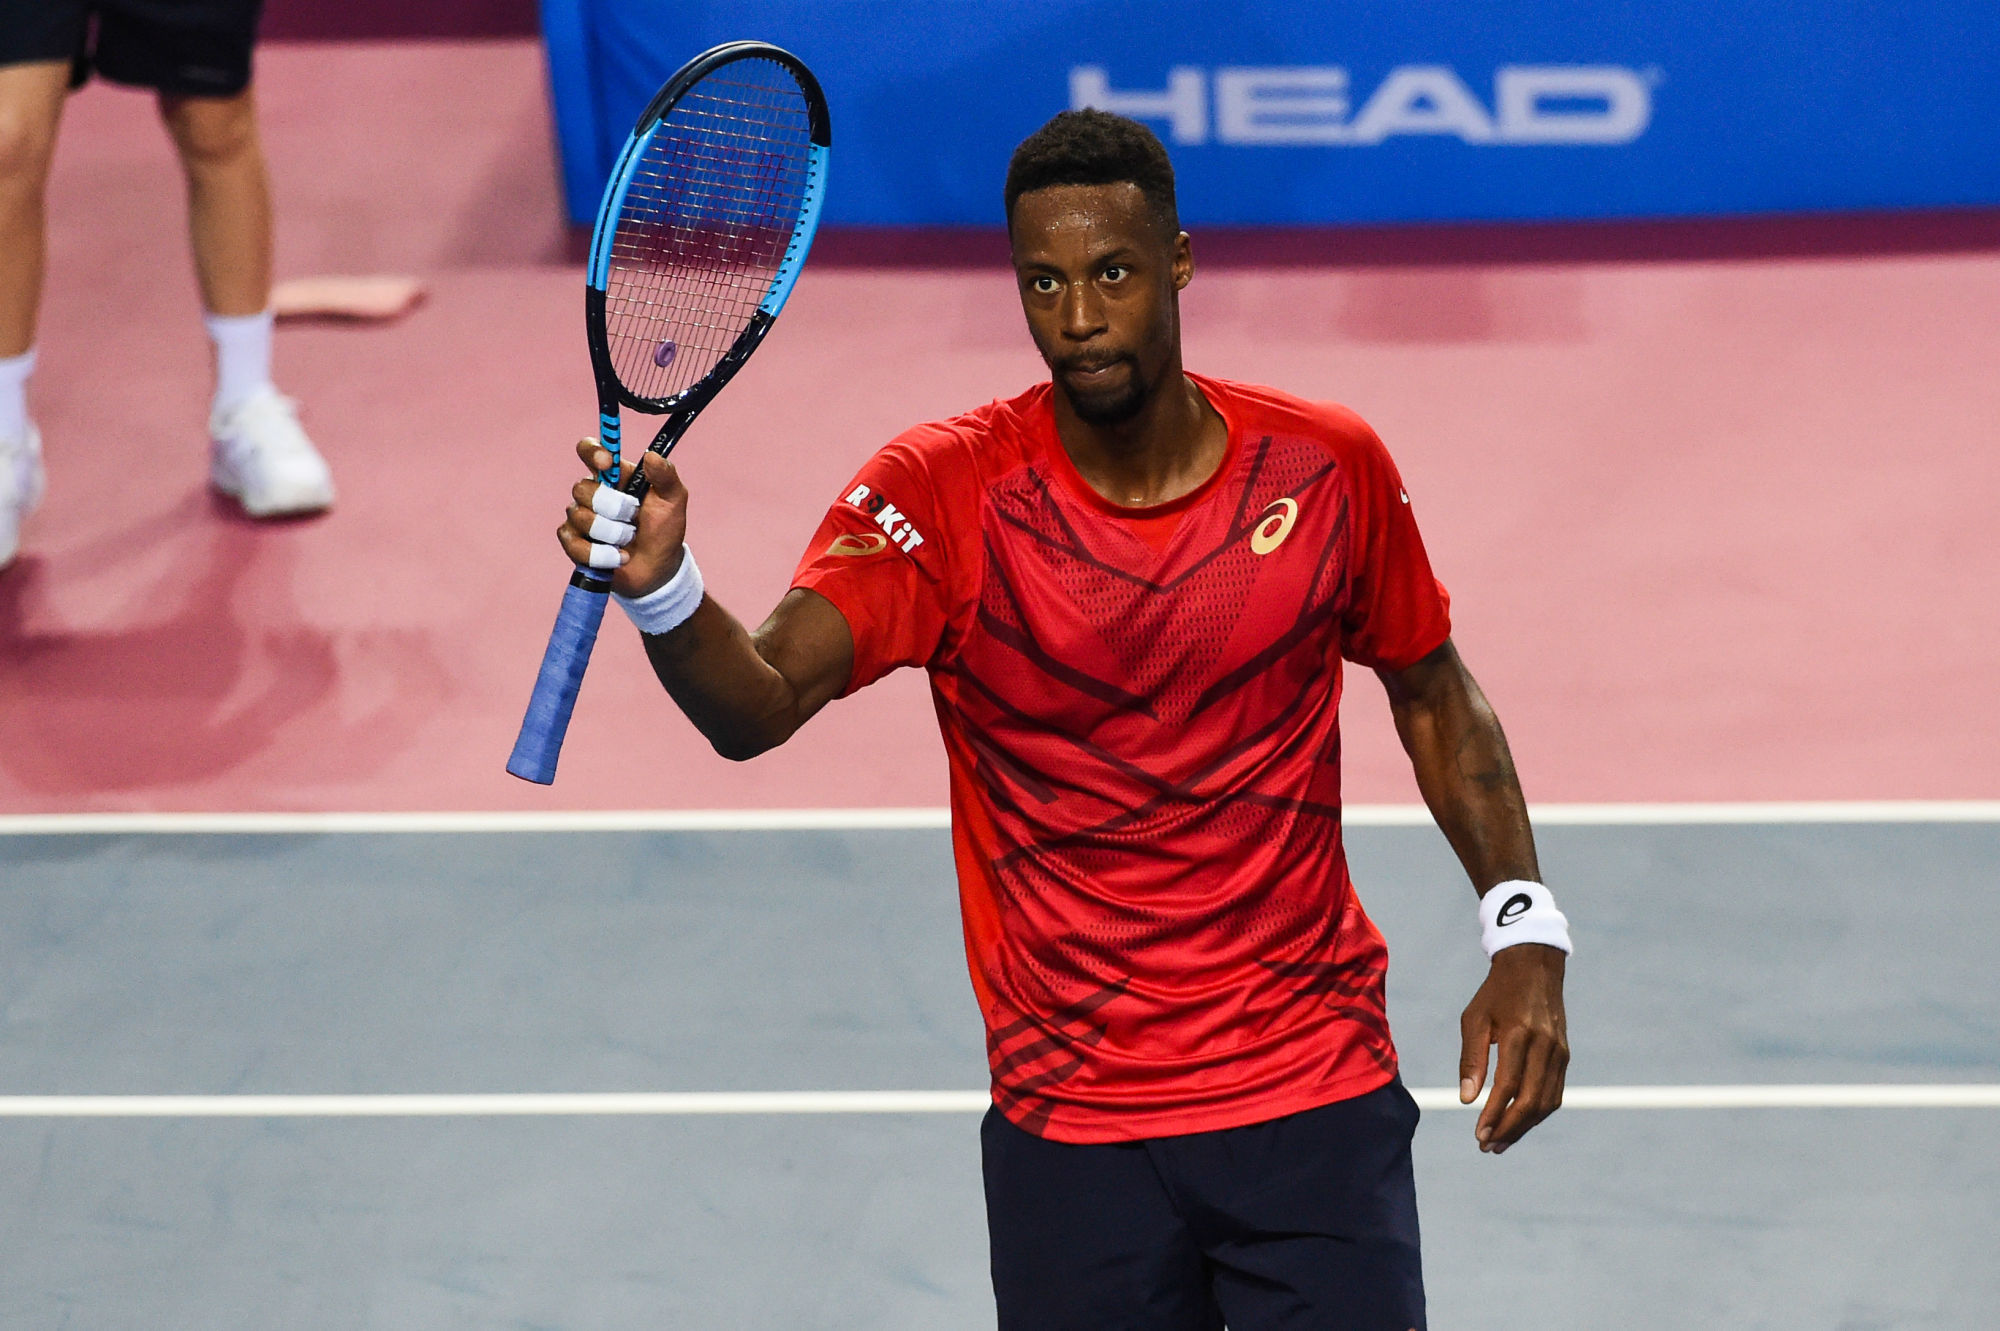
[(1304, 1223), (185, 48)]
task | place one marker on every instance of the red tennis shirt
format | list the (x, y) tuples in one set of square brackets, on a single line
[(1140, 709)]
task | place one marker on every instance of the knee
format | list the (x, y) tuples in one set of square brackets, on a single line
[(26, 143), (212, 131)]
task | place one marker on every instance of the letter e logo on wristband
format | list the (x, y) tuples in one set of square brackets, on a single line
[(1521, 912)]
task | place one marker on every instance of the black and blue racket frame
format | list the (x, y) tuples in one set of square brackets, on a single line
[(539, 743)]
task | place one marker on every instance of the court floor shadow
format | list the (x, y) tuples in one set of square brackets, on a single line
[(221, 665)]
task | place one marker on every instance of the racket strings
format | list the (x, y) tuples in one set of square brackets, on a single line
[(718, 227), (706, 222), (700, 275)]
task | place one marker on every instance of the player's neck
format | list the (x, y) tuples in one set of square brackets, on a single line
[(1170, 447)]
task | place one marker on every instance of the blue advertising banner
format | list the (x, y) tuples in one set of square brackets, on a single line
[(1357, 111)]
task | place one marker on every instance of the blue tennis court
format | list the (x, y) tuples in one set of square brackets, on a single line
[(1841, 958)]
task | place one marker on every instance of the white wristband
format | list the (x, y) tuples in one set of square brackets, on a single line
[(668, 606), (1521, 912)]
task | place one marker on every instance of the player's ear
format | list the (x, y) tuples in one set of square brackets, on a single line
[(1183, 260)]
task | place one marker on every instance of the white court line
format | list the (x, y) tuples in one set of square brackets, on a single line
[(683, 1103), (613, 820), (761, 820)]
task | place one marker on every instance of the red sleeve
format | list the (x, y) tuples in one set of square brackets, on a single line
[(1397, 611), (879, 557)]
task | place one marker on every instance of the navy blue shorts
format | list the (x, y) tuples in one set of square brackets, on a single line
[(1304, 1223), (185, 48)]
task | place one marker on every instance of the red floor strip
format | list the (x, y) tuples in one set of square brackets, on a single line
[(1716, 528)]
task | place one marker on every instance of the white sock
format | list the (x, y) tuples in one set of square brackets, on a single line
[(14, 372), (242, 357)]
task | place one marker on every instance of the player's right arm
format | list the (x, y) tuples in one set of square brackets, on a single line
[(746, 692)]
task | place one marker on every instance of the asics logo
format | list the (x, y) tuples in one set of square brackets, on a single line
[(874, 543), (1515, 907), (1269, 534)]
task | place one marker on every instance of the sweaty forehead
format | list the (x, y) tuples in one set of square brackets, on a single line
[(1082, 218)]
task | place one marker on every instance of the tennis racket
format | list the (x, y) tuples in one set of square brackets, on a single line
[(705, 223)]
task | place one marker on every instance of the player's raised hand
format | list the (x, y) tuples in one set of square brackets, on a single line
[(1520, 1009), (637, 542)]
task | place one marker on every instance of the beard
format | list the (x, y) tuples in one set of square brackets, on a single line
[(1112, 404)]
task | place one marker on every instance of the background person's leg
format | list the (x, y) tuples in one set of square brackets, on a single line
[(229, 223), (31, 101), (229, 199), (262, 455), (197, 55)]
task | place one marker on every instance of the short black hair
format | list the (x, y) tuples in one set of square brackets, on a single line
[(1094, 147)]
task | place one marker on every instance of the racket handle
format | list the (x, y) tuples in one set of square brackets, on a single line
[(542, 729)]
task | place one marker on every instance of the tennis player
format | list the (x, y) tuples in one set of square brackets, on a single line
[(1133, 588), (196, 55)]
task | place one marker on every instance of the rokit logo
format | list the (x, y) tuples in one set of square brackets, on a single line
[(888, 517), (1315, 105)]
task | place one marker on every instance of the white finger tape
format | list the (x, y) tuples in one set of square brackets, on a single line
[(614, 504), (605, 556), (668, 607), (609, 531), (1519, 911)]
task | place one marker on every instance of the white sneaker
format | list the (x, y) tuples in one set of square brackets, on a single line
[(263, 457), (21, 482)]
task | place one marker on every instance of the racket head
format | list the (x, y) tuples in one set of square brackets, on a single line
[(705, 224)]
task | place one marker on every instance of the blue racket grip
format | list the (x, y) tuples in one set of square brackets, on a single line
[(542, 729)]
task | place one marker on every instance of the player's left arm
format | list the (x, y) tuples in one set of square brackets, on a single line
[(1467, 777)]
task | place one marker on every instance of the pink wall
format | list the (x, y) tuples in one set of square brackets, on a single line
[(1716, 527)]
